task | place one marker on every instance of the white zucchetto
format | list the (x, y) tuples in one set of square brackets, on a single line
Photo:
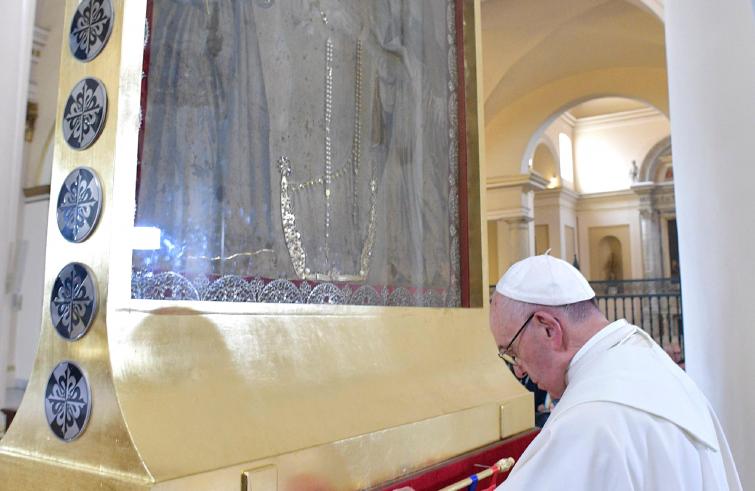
[(544, 280)]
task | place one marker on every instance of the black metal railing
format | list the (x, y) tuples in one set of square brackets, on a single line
[(642, 286), (658, 314)]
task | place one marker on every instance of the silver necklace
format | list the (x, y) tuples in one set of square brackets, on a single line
[(291, 234)]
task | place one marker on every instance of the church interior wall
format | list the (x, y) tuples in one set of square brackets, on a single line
[(514, 131), (606, 146), (556, 209), (547, 220), (16, 30), (493, 270), (609, 255), (570, 242), (618, 209), (35, 167), (542, 239), (563, 124), (26, 328), (569, 230), (544, 162), (665, 219), (712, 88), (44, 76)]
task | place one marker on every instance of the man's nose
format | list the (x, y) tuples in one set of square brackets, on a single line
[(519, 371)]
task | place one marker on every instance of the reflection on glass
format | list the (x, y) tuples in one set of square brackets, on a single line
[(300, 151)]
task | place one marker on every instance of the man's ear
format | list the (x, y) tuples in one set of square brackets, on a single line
[(553, 328)]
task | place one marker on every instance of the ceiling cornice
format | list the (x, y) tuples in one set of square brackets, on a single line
[(568, 118), (618, 119), (530, 182)]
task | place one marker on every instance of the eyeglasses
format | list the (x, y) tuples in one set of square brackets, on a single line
[(511, 360)]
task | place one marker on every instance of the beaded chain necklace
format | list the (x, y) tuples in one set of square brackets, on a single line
[(288, 189)]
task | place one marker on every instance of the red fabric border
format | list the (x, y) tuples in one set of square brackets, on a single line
[(462, 139), (143, 98), (463, 466)]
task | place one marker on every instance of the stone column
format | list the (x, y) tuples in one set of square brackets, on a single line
[(712, 101), (510, 202), (521, 238), (650, 231)]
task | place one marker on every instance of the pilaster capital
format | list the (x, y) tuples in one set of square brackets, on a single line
[(511, 215), (518, 220)]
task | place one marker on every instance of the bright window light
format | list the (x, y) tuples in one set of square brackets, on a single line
[(566, 155), (145, 239)]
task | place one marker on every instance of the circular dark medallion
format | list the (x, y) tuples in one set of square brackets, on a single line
[(90, 29), (73, 301), (84, 114), (68, 402), (79, 204)]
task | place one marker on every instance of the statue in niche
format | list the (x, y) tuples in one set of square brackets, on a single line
[(612, 268), (300, 139)]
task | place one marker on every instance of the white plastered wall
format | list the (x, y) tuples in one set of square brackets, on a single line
[(38, 152), (556, 209), (510, 132), (605, 146), (16, 28), (610, 210), (560, 125), (711, 60)]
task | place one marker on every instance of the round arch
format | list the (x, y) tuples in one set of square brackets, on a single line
[(546, 149), (540, 131), (512, 131), (650, 163)]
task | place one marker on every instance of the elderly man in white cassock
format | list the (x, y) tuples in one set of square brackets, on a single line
[(628, 417)]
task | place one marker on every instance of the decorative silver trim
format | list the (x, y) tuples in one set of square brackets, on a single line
[(85, 113), (67, 401), (230, 288), (90, 30), (366, 295), (288, 219), (453, 295), (168, 286), (400, 297), (281, 291), (233, 288), (79, 204), (73, 301), (327, 293), (288, 188)]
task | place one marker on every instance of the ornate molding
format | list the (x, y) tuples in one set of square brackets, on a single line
[(654, 157), (617, 119), (510, 214), (528, 182), (518, 220)]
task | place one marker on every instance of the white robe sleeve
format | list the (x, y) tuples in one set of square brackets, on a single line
[(603, 445), (576, 452)]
